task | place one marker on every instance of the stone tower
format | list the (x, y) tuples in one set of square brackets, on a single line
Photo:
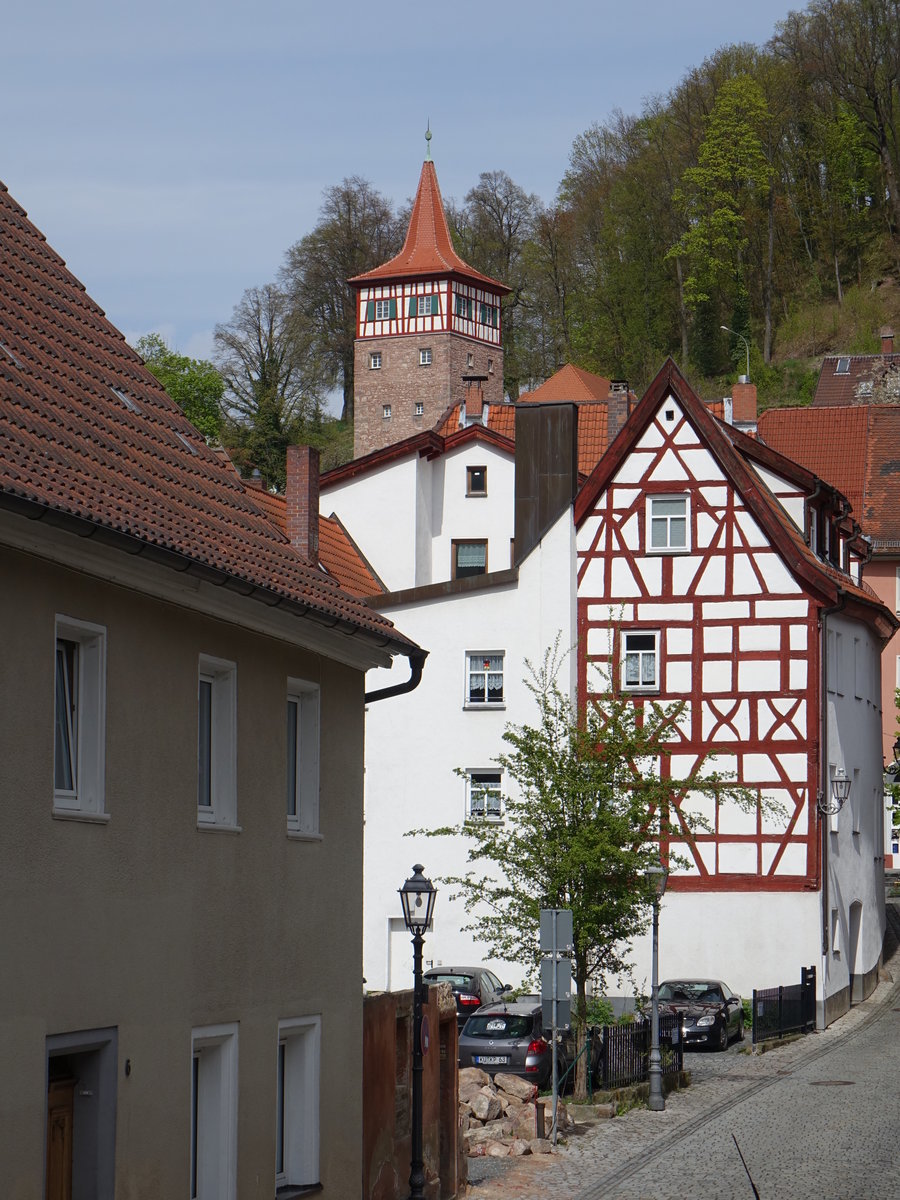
[(423, 321)]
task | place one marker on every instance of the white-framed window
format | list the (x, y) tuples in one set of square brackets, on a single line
[(668, 524), (420, 408), (425, 357), (476, 481), (640, 660), (842, 367), (383, 310), (302, 757), (217, 743), (490, 366), (464, 308), (484, 800), (375, 360), (214, 1110), (79, 741), (470, 360), (386, 411), (484, 677), (297, 1102), (427, 306)]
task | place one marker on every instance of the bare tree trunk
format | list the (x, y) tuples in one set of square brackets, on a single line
[(837, 276), (767, 286), (583, 1066)]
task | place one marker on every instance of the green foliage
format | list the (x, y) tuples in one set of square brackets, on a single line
[(195, 386)]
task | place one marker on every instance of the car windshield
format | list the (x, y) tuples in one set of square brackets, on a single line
[(695, 991), (456, 981), (498, 1025)]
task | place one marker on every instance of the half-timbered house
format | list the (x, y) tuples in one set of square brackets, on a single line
[(713, 571)]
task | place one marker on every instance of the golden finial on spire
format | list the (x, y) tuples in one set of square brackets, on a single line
[(428, 142)]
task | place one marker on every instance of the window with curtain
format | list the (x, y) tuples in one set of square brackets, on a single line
[(469, 558), (485, 678)]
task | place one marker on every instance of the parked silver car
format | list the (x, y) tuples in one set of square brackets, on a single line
[(507, 1037)]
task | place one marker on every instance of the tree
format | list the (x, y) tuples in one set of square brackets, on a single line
[(356, 231), (194, 384), (272, 383), (594, 801)]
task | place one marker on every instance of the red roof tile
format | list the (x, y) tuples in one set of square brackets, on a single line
[(569, 383), (428, 249), (858, 379), (88, 433)]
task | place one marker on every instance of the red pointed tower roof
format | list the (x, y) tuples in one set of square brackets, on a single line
[(428, 249)]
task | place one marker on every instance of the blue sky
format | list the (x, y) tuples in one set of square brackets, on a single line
[(171, 152)]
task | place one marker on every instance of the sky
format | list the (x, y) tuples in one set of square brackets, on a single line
[(172, 151)]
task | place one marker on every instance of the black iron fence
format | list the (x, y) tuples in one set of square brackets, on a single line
[(781, 1010), (625, 1051)]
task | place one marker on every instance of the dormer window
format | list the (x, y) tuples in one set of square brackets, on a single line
[(842, 367)]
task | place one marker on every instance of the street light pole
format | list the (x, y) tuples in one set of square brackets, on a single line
[(417, 897), (656, 1101), (735, 333)]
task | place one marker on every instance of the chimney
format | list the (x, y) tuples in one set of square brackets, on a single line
[(302, 496), (887, 340), (616, 408), (474, 399), (743, 403)]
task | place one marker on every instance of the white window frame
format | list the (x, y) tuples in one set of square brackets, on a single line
[(79, 684), (214, 1112), (425, 357), (382, 310), (375, 360), (641, 686), (474, 667), (221, 678), (669, 547), (420, 408), (427, 306), (297, 1074), (386, 412), (303, 708), (484, 795)]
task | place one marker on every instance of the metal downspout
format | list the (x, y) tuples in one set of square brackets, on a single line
[(416, 666), (824, 780)]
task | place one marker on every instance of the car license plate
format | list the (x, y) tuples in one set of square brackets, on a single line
[(491, 1060)]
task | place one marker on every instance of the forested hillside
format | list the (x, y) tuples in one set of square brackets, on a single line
[(760, 194)]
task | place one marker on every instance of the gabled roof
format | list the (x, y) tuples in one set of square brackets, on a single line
[(428, 249), (429, 444), (733, 452), (858, 379), (856, 450), (91, 441)]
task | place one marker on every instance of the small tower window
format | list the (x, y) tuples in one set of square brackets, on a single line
[(375, 361), (420, 408), (476, 481), (425, 358), (490, 366), (470, 360), (386, 411)]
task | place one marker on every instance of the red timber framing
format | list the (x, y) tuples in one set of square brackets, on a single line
[(733, 604)]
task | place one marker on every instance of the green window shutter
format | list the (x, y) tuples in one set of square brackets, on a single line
[(370, 311), (412, 306), (393, 310)]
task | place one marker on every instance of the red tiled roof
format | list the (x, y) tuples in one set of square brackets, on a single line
[(863, 379), (428, 249), (569, 383), (86, 432), (855, 449)]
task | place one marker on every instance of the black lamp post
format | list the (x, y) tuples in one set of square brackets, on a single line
[(658, 876), (417, 897)]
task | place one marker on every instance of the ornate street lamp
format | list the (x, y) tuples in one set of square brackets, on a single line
[(840, 791), (417, 897), (658, 876)]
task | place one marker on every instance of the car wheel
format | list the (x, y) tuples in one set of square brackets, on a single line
[(723, 1037)]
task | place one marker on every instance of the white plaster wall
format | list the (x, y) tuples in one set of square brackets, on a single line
[(415, 742), (855, 838), (474, 518), (379, 511), (721, 935)]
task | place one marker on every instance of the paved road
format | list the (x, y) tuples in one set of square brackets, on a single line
[(819, 1118)]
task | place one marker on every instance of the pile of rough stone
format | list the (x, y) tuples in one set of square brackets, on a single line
[(497, 1116)]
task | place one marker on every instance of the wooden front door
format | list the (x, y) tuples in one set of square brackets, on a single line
[(60, 1122)]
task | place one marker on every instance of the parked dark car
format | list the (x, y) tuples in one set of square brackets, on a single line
[(508, 1037), (713, 1014), (472, 987)]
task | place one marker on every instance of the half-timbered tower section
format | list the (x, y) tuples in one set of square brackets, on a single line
[(697, 582), (425, 319)]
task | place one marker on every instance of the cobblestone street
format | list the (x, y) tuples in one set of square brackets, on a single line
[(815, 1118)]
